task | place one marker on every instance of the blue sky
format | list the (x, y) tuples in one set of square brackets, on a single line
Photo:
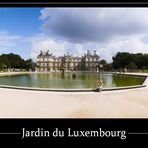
[(21, 22), (26, 31)]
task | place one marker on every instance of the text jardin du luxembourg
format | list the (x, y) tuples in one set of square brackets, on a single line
[(69, 132)]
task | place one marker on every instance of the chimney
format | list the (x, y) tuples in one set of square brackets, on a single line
[(87, 52), (94, 52)]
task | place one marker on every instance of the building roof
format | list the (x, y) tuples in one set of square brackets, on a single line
[(47, 54), (67, 56)]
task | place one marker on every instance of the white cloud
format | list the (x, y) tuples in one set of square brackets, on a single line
[(44, 43), (7, 40), (57, 47), (94, 24), (132, 45), (105, 51), (106, 30)]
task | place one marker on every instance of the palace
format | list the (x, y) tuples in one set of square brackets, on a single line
[(48, 62)]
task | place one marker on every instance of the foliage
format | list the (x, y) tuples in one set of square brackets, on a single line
[(131, 61), (14, 61), (103, 64)]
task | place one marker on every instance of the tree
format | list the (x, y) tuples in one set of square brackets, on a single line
[(103, 64), (2, 66), (29, 65), (14, 61), (109, 67), (11, 60), (132, 66), (121, 60), (131, 61)]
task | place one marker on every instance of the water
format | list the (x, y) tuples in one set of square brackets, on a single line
[(57, 80)]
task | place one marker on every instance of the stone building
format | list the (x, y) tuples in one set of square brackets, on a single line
[(48, 62)]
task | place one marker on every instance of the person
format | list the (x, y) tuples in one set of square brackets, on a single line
[(100, 85)]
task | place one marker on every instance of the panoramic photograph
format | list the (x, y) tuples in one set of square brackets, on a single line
[(73, 62)]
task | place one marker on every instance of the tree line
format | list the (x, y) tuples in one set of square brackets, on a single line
[(130, 61), (14, 61), (125, 61), (122, 60)]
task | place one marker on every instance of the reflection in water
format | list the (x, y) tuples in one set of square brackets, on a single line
[(62, 76), (74, 76), (108, 80), (126, 80), (68, 80)]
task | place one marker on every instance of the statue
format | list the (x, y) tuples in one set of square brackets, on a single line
[(47, 52), (41, 53)]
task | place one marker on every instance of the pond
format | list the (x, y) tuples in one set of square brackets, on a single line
[(69, 81)]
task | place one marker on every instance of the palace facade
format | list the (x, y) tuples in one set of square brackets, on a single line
[(48, 62)]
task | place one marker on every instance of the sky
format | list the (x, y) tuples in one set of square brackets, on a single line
[(26, 31)]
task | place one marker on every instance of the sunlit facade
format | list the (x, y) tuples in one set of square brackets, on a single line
[(47, 62)]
